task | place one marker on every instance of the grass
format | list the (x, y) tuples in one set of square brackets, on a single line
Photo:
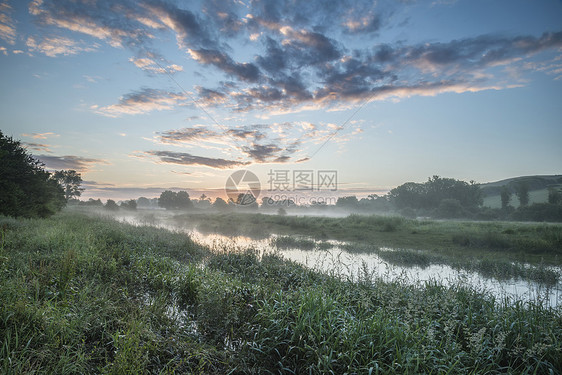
[(89, 295), (532, 241)]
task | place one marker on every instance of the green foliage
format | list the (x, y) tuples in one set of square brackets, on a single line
[(522, 192), (129, 205), (220, 204), (450, 209), (539, 212), (84, 295), (70, 181), (175, 201), (554, 196), (347, 202), (431, 193), (505, 195), (26, 189), (111, 205)]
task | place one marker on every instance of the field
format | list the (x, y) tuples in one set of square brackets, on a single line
[(538, 189), (85, 294), (535, 196)]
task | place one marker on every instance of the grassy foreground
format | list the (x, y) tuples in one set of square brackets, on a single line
[(89, 295)]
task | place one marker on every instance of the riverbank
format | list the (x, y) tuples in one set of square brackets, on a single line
[(89, 295)]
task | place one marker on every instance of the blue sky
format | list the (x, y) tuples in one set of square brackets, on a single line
[(140, 96)]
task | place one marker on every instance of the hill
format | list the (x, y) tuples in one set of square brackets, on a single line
[(538, 188)]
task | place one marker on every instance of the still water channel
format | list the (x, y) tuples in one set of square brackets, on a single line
[(338, 261)]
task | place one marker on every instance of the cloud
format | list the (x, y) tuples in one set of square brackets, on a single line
[(40, 135), (190, 30), (386, 71), (77, 163), (369, 23), (7, 25), (256, 143), (243, 71), (299, 55), (187, 135), (117, 23), (142, 101), (264, 153), (183, 158), (53, 46), (151, 66), (37, 146)]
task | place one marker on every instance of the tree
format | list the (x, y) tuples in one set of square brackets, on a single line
[(26, 189), (522, 192), (505, 195), (129, 205), (143, 202), (220, 204), (174, 201), (430, 194), (183, 201), (111, 205), (449, 209), (70, 181), (347, 202), (92, 202), (167, 200), (554, 196)]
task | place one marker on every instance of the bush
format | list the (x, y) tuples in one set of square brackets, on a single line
[(539, 212), (450, 209)]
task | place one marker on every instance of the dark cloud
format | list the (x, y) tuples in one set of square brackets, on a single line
[(184, 158), (305, 48), (471, 53), (393, 70), (274, 59), (210, 97), (37, 146), (77, 163), (268, 153), (252, 132), (186, 135), (301, 55), (225, 15), (243, 71), (190, 29)]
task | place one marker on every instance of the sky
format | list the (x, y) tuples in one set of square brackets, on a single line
[(140, 96)]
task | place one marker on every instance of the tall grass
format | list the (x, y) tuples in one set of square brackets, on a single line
[(84, 295), (531, 242)]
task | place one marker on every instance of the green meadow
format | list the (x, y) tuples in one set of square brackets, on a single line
[(89, 295)]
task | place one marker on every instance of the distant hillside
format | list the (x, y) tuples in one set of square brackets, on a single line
[(538, 189)]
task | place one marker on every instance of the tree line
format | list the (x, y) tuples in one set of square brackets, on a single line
[(26, 188)]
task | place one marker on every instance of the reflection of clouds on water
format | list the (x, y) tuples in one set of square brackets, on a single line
[(357, 266)]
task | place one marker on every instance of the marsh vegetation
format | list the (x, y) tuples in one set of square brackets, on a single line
[(89, 295)]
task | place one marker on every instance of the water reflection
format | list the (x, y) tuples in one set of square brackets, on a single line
[(332, 257)]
